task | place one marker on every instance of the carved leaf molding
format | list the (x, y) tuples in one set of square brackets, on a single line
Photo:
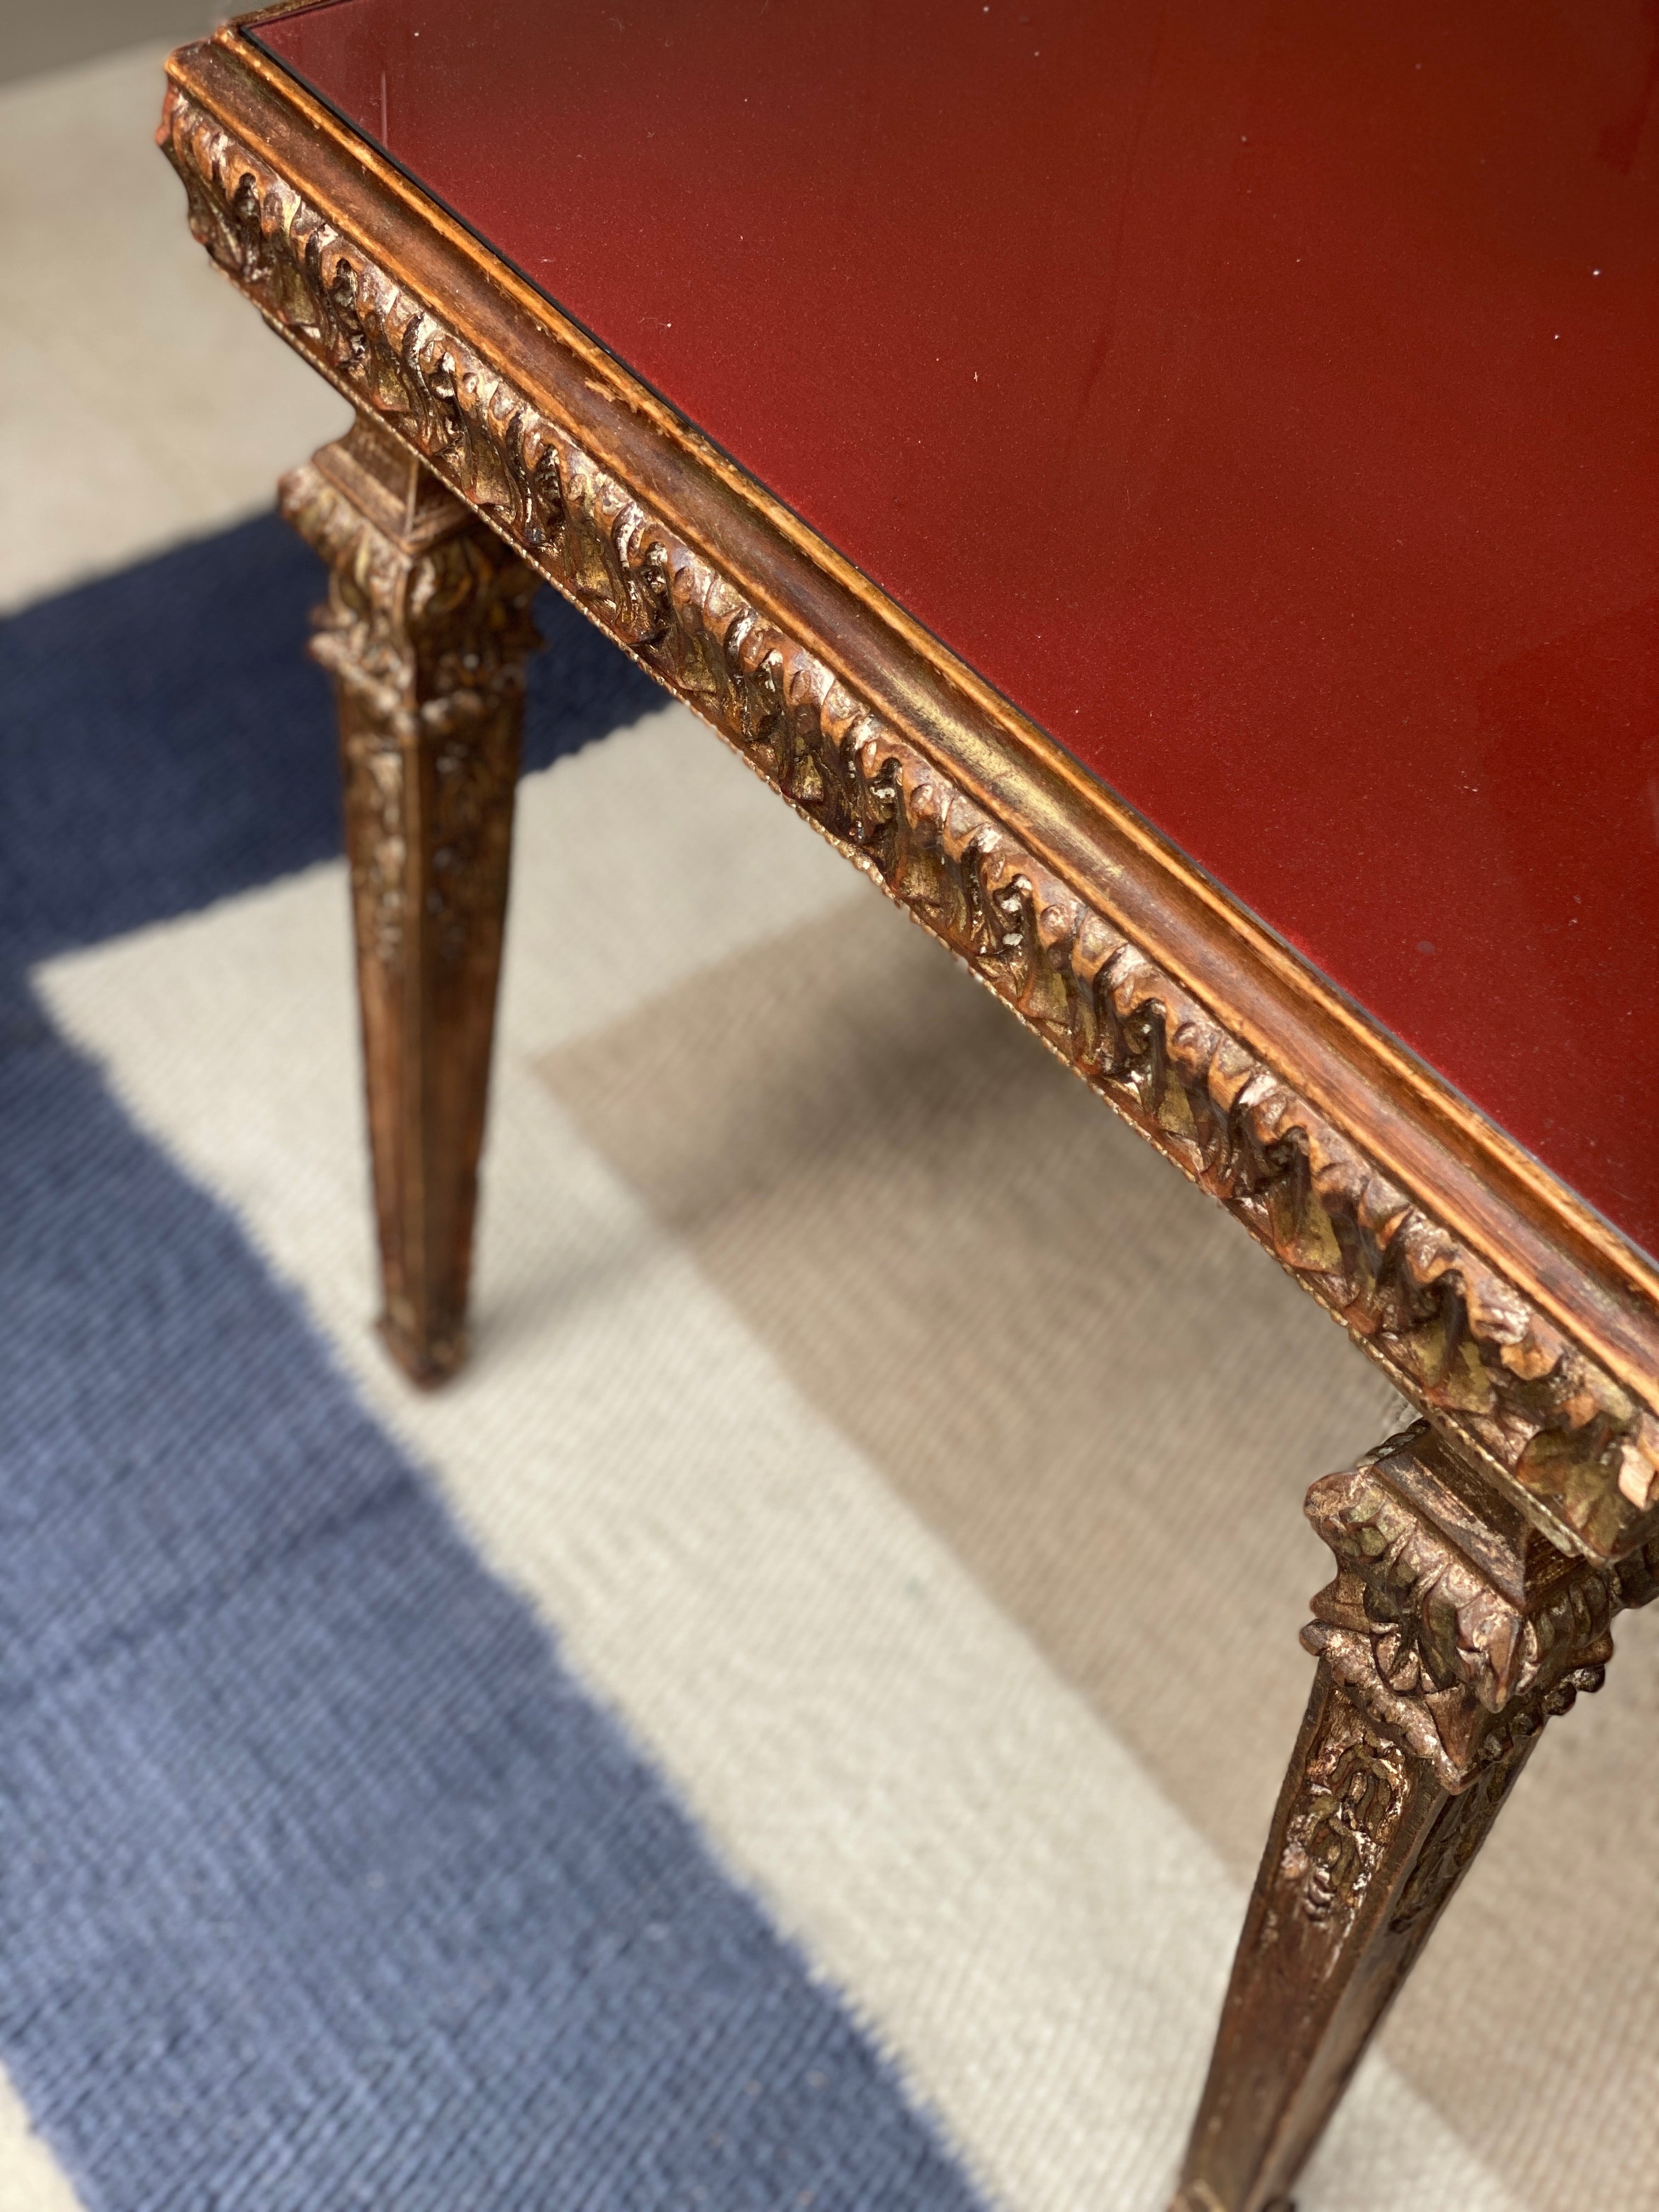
[(1524, 1401)]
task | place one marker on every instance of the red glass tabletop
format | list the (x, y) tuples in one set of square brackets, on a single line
[(1260, 393)]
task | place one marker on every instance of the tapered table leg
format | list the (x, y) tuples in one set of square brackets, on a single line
[(425, 632), (1452, 1632)]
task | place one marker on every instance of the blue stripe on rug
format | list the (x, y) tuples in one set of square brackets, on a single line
[(324, 1882)]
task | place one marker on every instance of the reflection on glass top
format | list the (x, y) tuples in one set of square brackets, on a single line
[(1261, 394)]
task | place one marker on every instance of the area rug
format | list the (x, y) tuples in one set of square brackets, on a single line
[(791, 1724)]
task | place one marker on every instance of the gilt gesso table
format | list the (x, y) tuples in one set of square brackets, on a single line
[(1169, 493)]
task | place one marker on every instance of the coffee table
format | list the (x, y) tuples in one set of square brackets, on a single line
[(1168, 493)]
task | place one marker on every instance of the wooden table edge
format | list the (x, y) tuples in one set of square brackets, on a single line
[(1518, 1320)]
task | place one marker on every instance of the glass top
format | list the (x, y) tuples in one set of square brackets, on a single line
[(1260, 393)]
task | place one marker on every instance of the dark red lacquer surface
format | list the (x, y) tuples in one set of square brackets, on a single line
[(1261, 392)]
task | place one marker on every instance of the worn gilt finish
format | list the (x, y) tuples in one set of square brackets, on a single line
[(1523, 1400), (1452, 1633), (424, 632)]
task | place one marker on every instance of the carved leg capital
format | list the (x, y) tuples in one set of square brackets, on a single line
[(1452, 1633), (425, 632)]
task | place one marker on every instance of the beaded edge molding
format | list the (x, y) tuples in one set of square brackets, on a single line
[(1522, 1401)]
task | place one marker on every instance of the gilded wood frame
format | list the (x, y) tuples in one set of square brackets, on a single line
[(1516, 1319)]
